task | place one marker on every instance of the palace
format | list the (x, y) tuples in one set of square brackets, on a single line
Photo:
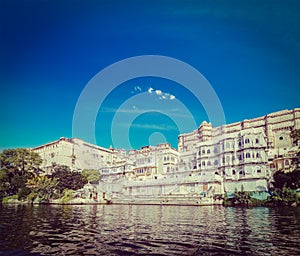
[(209, 161)]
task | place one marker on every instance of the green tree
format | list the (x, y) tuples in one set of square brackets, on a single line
[(290, 180), (282, 179), (241, 198), (91, 175), (67, 179), (16, 167), (42, 188)]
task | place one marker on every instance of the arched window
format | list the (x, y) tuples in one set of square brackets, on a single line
[(248, 155), (247, 141), (208, 151), (216, 173), (256, 141)]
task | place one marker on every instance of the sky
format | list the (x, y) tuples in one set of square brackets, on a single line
[(50, 51)]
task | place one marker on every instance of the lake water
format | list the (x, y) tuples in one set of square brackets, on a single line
[(148, 230)]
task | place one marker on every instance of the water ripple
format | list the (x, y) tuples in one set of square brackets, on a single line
[(148, 230)]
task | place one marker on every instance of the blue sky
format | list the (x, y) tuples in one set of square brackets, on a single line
[(249, 51)]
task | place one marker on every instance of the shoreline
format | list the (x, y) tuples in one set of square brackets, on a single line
[(154, 202)]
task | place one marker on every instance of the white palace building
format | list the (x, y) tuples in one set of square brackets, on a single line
[(209, 161)]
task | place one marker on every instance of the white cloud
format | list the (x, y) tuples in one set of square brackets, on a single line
[(158, 92), (137, 88), (150, 90), (155, 126), (162, 95)]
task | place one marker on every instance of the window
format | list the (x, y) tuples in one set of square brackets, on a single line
[(256, 141), (242, 173), (280, 138), (199, 165), (240, 144), (257, 155), (199, 153), (247, 141), (233, 172), (287, 162), (203, 163), (208, 163), (208, 151), (203, 151), (233, 158), (227, 145), (216, 173), (248, 155), (215, 150), (216, 162), (258, 171)]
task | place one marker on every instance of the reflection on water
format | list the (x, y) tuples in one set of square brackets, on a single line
[(148, 230)]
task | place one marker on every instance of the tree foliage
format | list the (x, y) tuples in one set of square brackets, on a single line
[(67, 179), (241, 198), (42, 188), (290, 179), (16, 167), (91, 175)]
